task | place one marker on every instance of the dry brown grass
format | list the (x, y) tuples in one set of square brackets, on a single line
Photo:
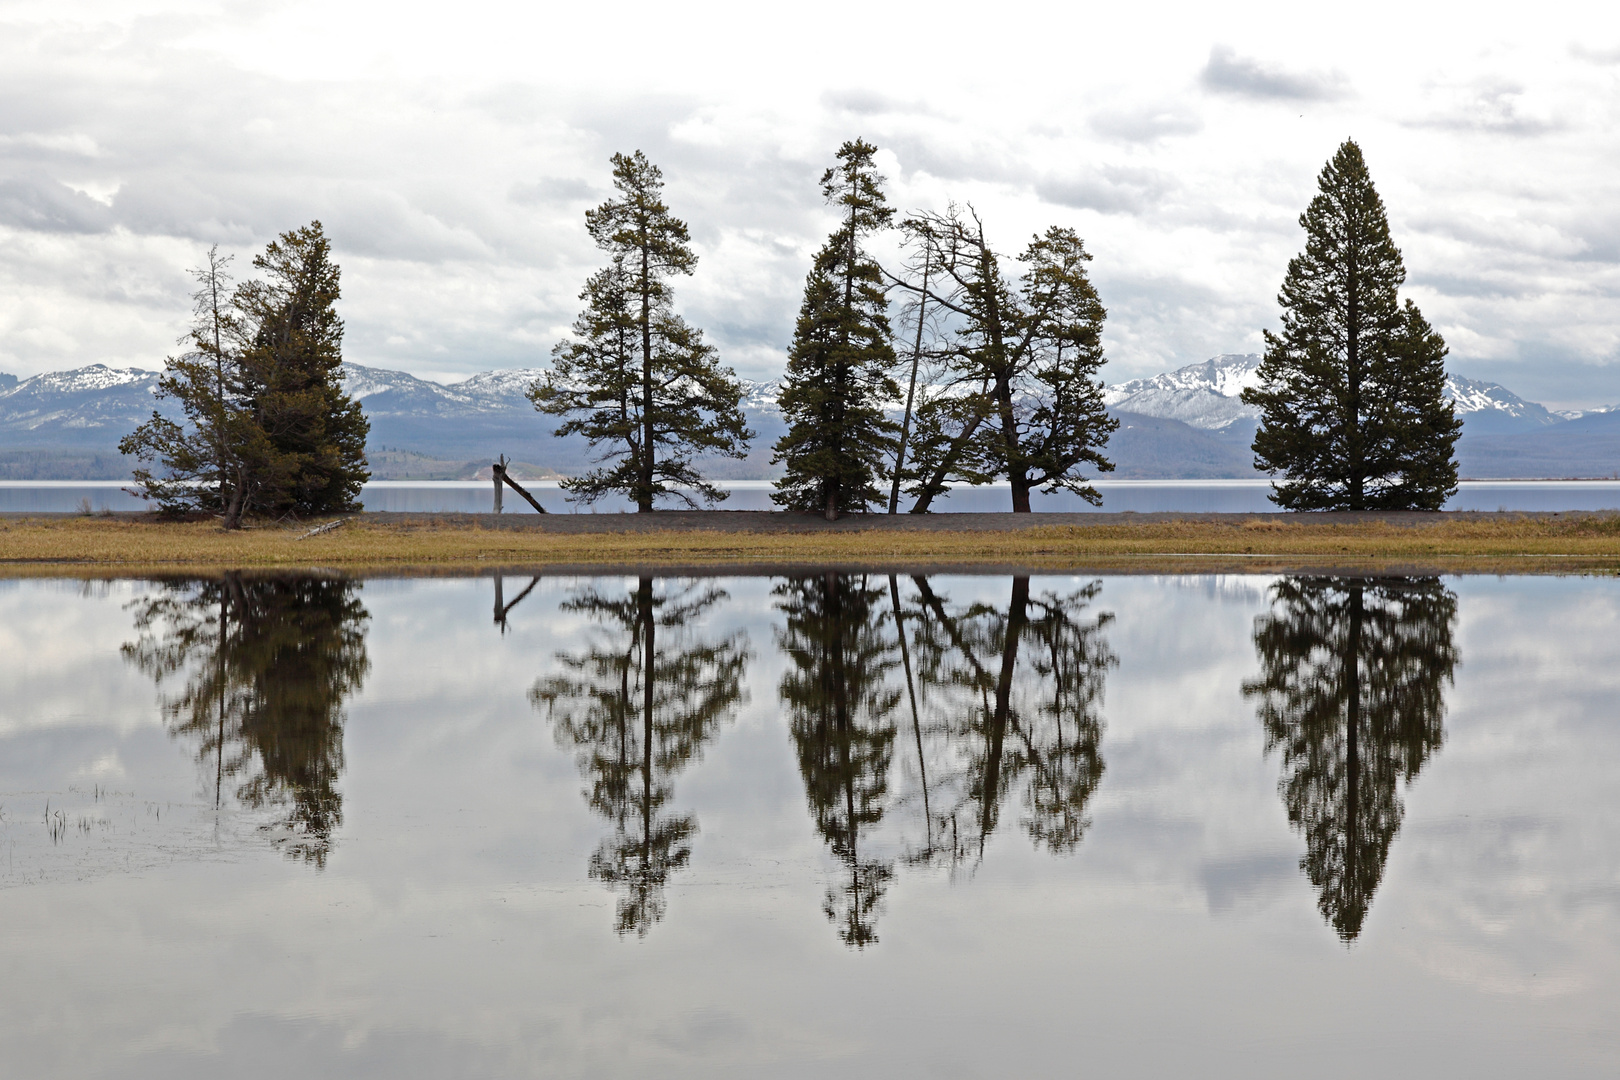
[(98, 546)]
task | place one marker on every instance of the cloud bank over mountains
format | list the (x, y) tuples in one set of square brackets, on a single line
[(451, 155)]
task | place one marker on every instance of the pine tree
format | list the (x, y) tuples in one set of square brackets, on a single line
[(637, 381), (1021, 398), (1352, 409), (309, 453), (267, 426), (199, 459), (838, 371)]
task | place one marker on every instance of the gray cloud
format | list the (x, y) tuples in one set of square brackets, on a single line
[(1228, 73), (1596, 56), (1491, 106), (871, 103), (1146, 124), (554, 189), (35, 202), (1110, 189)]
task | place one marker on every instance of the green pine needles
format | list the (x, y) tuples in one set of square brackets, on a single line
[(1353, 413), (839, 441), (268, 428), (636, 380), (1018, 394)]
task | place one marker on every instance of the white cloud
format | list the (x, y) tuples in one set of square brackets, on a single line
[(451, 156)]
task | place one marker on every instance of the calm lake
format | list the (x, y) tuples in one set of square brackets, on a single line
[(841, 825), (1142, 496)]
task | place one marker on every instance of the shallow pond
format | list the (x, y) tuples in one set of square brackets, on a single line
[(840, 825)]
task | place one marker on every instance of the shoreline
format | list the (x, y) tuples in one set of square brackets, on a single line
[(752, 542)]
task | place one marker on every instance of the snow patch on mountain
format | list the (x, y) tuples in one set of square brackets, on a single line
[(1207, 396), (1199, 395)]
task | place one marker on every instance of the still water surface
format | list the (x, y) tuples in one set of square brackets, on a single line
[(1141, 496), (838, 825)]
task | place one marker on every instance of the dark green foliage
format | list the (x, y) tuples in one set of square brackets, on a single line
[(311, 457), (268, 428), (637, 707), (636, 380), (1352, 694), (838, 372), (1352, 412), (1019, 396), (266, 664), (840, 704)]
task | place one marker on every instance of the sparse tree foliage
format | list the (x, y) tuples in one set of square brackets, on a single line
[(636, 379), (268, 428), (637, 707), (1019, 693), (1351, 391), (1019, 397), (839, 368), (201, 463)]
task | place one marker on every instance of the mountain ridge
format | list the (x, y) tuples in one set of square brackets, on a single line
[(1188, 423)]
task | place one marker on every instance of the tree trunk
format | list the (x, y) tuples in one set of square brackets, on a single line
[(1017, 617), (911, 389), (1353, 715), (233, 512), (644, 499), (916, 718), (1352, 338)]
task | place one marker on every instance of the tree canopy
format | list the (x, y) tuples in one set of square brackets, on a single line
[(268, 427), (1019, 396), (839, 368), (1351, 393), (636, 380)]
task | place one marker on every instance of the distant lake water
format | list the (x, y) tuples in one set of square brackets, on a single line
[(840, 825), (1142, 496)]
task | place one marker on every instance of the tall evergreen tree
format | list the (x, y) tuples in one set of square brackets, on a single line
[(839, 369), (311, 458), (1021, 399), (1352, 410), (268, 428), (637, 381)]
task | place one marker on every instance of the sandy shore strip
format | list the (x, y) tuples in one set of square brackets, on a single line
[(34, 545)]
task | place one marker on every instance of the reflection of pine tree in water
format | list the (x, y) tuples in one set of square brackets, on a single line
[(267, 664), (839, 704), (1018, 692), (998, 700), (637, 709), (1352, 694)]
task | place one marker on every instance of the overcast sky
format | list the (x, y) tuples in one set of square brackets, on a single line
[(451, 150)]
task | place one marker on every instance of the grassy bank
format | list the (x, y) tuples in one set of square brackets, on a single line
[(99, 546)]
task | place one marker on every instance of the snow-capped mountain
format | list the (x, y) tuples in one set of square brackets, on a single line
[(95, 404), (1185, 423), (1200, 395), (1206, 396)]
